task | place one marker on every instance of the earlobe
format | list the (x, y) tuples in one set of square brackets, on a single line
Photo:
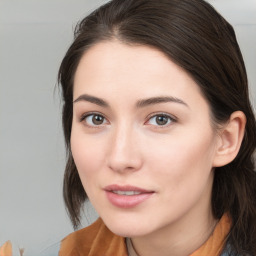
[(230, 139)]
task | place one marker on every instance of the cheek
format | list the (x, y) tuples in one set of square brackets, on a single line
[(183, 173), (86, 155), (185, 159)]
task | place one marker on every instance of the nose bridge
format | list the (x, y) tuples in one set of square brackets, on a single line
[(124, 151)]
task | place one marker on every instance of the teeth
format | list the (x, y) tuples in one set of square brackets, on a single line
[(126, 193)]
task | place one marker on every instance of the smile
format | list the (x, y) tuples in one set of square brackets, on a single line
[(126, 196), (126, 193)]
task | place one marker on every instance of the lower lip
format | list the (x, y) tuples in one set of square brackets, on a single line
[(124, 201)]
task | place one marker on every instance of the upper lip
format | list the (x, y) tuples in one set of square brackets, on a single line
[(116, 187)]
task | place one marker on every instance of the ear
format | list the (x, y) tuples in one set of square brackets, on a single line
[(230, 139)]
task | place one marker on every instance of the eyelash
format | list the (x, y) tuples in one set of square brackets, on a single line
[(170, 118), (92, 114)]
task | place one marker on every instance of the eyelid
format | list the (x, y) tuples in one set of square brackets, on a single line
[(87, 114), (84, 115), (173, 118)]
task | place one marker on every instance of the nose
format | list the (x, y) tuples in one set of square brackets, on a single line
[(124, 154)]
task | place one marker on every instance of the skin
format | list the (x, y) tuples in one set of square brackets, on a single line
[(175, 160)]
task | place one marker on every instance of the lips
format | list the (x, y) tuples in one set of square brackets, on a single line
[(126, 193), (127, 196)]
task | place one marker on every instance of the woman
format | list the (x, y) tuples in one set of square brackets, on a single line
[(160, 132)]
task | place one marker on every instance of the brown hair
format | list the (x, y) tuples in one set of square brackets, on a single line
[(198, 39)]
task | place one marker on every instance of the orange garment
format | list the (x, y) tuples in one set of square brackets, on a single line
[(98, 240), (95, 240), (215, 243), (6, 249)]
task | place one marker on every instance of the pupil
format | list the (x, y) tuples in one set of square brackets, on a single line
[(162, 120), (97, 119)]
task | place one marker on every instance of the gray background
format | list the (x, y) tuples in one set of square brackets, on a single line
[(34, 35)]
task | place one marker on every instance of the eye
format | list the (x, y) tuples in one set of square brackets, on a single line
[(160, 120), (94, 120)]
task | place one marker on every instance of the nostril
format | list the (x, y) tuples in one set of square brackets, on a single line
[(124, 164)]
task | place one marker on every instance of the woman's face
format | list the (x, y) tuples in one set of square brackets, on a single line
[(142, 140)]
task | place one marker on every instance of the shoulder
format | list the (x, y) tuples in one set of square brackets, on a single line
[(95, 239)]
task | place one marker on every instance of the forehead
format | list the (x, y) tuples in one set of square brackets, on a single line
[(114, 68), (114, 55)]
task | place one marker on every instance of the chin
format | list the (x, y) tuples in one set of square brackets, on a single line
[(126, 228), (128, 232)]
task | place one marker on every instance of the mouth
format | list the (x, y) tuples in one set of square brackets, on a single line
[(126, 193), (127, 196)]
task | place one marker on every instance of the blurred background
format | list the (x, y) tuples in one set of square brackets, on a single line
[(34, 36)]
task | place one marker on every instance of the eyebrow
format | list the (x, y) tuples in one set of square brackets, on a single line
[(160, 99), (92, 99), (140, 103)]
